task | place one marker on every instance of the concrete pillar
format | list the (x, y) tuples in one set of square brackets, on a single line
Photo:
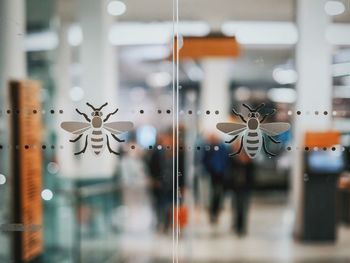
[(314, 86), (12, 34), (98, 58), (98, 79), (215, 94), (12, 66)]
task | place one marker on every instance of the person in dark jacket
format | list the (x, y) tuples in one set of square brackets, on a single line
[(215, 162), (241, 181), (161, 173)]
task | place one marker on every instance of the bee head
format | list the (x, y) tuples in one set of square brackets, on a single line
[(253, 114), (96, 113)]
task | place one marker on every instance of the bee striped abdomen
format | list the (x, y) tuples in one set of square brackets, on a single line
[(97, 141), (252, 142)]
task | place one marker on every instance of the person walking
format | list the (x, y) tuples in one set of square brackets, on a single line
[(215, 162)]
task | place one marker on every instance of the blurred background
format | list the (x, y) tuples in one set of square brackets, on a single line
[(174, 192)]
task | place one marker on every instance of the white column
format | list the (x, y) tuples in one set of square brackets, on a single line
[(12, 61), (12, 53), (98, 62), (12, 66), (215, 94), (314, 87), (98, 57), (62, 100)]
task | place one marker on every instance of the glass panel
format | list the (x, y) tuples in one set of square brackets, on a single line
[(87, 162), (239, 200), (159, 131)]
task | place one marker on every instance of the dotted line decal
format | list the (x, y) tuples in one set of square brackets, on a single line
[(181, 112), (168, 147)]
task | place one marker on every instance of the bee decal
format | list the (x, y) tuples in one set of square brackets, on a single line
[(253, 131), (98, 127)]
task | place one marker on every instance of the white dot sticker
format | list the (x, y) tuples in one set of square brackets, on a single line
[(53, 168), (2, 179), (47, 194)]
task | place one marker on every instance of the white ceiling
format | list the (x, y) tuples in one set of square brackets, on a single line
[(255, 64), (214, 12)]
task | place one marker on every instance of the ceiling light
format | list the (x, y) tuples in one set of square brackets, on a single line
[(334, 8), (41, 41), (116, 8), (75, 35), (282, 95), (262, 33), (76, 93), (135, 33), (159, 79), (285, 76), (142, 53)]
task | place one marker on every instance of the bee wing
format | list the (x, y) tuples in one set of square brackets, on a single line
[(118, 127), (231, 128), (75, 127), (274, 128)]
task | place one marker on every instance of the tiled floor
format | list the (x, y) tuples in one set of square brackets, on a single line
[(268, 240)]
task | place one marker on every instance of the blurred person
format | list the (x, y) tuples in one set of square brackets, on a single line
[(181, 161), (182, 211), (215, 162), (240, 180), (161, 173)]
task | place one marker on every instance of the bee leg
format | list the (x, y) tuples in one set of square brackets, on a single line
[(84, 115), (109, 147), (272, 139), (232, 140), (110, 114), (239, 115), (239, 150), (85, 146), (76, 139), (117, 139), (266, 115), (266, 150)]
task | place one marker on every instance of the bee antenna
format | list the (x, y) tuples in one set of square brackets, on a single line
[(104, 105), (92, 107), (259, 107), (247, 106)]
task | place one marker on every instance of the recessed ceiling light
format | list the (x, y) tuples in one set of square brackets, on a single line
[(158, 79), (116, 8), (285, 76), (282, 95), (75, 35), (261, 33), (334, 8), (76, 93)]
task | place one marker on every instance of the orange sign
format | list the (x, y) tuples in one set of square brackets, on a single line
[(27, 166), (322, 139), (209, 46)]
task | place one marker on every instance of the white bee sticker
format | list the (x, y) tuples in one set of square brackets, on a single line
[(253, 131), (98, 128)]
